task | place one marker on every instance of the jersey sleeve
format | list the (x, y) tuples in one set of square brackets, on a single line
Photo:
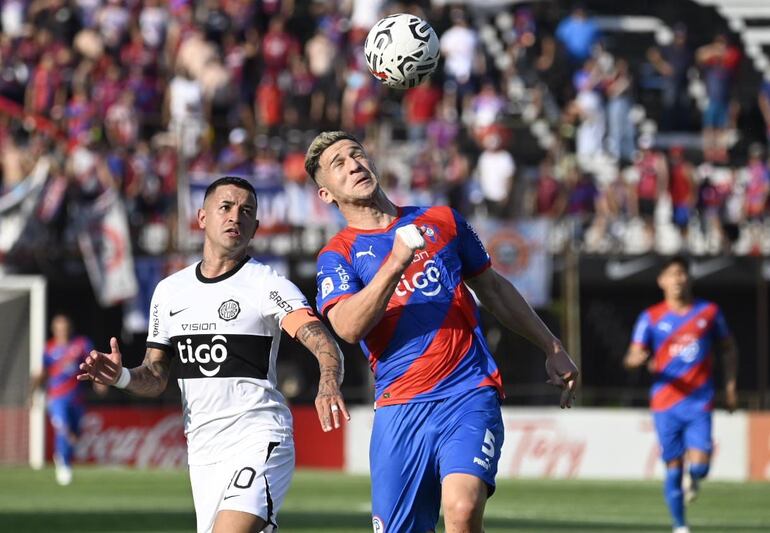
[(721, 331), (158, 335), (473, 255), (88, 345), (280, 298), (335, 280), (642, 334)]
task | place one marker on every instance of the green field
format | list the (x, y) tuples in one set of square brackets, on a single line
[(115, 500)]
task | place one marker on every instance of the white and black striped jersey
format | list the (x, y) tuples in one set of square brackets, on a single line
[(225, 331)]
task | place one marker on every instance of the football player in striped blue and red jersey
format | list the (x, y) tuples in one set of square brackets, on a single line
[(396, 280), (64, 393), (676, 339)]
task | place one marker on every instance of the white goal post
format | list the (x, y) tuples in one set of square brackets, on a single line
[(23, 300)]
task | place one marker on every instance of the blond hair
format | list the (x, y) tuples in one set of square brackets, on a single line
[(323, 141)]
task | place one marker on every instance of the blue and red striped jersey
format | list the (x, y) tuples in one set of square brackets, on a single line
[(62, 365), (682, 347), (429, 343)]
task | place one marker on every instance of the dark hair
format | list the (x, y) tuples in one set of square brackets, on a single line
[(676, 260), (230, 180)]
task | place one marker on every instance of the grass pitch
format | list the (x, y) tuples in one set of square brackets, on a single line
[(118, 500)]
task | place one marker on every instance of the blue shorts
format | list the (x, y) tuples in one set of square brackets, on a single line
[(679, 430), (65, 415), (715, 115), (415, 445), (681, 216)]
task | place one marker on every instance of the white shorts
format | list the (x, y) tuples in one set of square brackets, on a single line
[(254, 483)]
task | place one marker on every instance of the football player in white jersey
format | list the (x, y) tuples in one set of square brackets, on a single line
[(223, 318)]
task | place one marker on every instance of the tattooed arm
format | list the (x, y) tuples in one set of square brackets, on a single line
[(149, 379), (329, 402)]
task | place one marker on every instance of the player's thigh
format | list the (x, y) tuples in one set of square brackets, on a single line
[(463, 498), (254, 484), (238, 522), (697, 433), (406, 491), (473, 437), (670, 430), (58, 415)]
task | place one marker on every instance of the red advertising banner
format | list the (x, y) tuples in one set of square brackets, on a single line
[(153, 437)]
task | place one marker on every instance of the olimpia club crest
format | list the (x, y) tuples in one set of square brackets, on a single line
[(229, 310)]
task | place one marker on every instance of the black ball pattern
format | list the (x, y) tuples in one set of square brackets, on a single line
[(402, 71)]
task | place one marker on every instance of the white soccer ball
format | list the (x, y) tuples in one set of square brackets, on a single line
[(401, 50)]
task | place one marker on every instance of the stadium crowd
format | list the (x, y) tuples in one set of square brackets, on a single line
[(128, 96)]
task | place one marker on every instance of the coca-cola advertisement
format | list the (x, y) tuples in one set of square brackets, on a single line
[(141, 437), (153, 437)]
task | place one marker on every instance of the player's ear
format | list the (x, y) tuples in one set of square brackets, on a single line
[(325, 195), (202, 218)]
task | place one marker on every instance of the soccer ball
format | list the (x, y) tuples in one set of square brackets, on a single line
[(401, 50)]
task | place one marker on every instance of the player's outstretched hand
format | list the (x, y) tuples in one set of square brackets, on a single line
[(102, 368), (408, 240), (329, 404), (562, 372)]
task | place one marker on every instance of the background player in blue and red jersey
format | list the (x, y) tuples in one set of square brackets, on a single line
[(64, 393), (396, 280), (676, 339)]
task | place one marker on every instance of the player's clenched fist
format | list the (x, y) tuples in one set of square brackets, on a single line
[(408, 240)]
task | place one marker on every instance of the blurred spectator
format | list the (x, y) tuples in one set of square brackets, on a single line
[(444, 129), (121, 122), (184, 109), (719, 61), (457, 173), (621, 131), (763, 100), (587, 110), (153, 24), (420, 105), (269, 105), (278, 47), (234, 159), (495, 170), (267, 170), (360, 101), (112, 20), (486, 108), (673, 62), (458, 46), (582, 196), (709, 205), (613, 212), (681, 187), (321, 51), (579, 34), (547, 198), (757, 189), (652, 172), (45, 89), (301, 88)]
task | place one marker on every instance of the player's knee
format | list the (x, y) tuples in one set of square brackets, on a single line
[(699, 470)]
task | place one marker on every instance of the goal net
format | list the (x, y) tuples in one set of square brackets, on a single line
[(22, 339)]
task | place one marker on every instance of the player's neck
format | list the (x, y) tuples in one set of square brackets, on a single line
[(214, 264), (679, 305), (378, 213)]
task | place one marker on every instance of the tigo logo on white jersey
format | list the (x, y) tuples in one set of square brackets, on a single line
[(204, 353)]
